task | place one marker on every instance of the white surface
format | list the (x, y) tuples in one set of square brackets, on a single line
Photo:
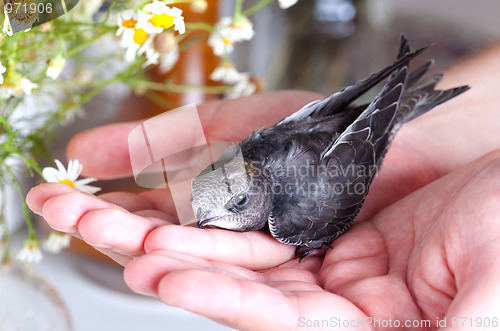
[(97, 299)]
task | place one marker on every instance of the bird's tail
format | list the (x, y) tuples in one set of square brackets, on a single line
[(421, 94), (404, 97)]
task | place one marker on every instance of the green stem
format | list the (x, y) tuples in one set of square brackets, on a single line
[(113, 5), (200, 26), (175, 88), (5, 237), (63, 4), (259, 5), (26, 211), (160, 100), (237, 10), (3, 222)]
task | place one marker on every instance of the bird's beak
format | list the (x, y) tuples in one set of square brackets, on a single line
[(205, 221)]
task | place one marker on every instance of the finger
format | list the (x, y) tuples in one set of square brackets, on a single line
[(38, 195), (64, 211), (426, 248), (455, 270), (161, 199), (476, 304), (103, 225), (248, 305), (104, 151), (144, 274), (129, 201), (254, 250), (235, 119), (156, 214), (116, 230)]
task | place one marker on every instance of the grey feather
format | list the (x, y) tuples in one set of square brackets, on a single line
[(339, 146)]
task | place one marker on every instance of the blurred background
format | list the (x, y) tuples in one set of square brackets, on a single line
[(316, 45), (321, 45)]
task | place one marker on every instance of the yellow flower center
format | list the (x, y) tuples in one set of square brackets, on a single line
[(228, 41), (129, 23), (163, 21), (68, 182), (140, 36)]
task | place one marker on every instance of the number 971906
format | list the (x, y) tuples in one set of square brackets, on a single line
[(16, 7)]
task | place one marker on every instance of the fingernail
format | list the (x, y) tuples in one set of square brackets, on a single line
[(69, 230), (101, 246), (146, 292)]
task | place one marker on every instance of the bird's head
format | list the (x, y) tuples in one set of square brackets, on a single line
[(231, 195)]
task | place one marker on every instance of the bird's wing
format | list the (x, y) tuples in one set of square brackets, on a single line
[(339, 101), (333, 199)]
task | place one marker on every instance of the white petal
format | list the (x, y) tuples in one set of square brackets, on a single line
[(30, 255), (157, 7), (179, 24), (62, 170), (174, 11), (56, 242), (284, 4), (85, 181), (86, 188), (2, 68), (167, 61), (74, 169), (51, 175)]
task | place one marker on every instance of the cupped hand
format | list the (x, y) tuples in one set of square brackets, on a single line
[(425, 255)]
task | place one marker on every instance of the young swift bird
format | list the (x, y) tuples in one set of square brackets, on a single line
[(306, 177)]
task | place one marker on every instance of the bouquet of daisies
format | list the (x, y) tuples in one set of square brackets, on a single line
[(46, 75)]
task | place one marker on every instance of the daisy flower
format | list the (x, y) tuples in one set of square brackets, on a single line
[(285, 4), (56, 66), (69, 177), (16, 87), (226, 73), (6, 92), (241, 30), (157, 16), (56, 242), (243, 87), (27, 86), (135, 40), (7, 29), (228, 32), (152, 57), (168, 60), (127, 19), (30, 252), (2, 71)]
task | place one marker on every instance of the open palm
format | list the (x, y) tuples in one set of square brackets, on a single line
[(423, 247)]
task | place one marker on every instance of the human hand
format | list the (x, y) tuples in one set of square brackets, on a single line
[(130, 217), (250, 281)]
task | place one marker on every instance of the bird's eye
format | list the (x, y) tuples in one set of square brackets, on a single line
[(240, 200)]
